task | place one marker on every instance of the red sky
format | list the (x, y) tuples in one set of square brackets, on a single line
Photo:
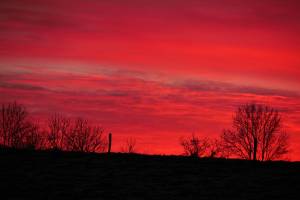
[(153, 70)]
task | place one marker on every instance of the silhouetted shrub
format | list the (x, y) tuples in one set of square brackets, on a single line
[(194, 146), (129, 146)]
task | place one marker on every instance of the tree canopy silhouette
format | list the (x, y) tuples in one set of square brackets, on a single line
[(256, 134), (85, 137), (16, 129), (74, 135), (58, 128)]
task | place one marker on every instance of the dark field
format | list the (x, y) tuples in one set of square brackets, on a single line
[(54, 175)]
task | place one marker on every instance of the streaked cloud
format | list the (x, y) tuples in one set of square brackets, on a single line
[(141, 107)]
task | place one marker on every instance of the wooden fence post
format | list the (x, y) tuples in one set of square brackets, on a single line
[(109, 142)]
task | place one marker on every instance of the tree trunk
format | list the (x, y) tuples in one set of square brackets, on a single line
[(109, 142), (255, 149)]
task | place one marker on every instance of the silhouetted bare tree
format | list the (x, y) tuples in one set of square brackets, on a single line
[(129, 146), (59, 128), (257, 133), (13, 123), (34, 139), (84, 137), (16, 130), (194, 146)]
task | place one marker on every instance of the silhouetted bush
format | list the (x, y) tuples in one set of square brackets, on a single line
[(194, 146), (216, 149), (129, 146)]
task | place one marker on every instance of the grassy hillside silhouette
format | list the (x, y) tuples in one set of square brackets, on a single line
[(71, 175)]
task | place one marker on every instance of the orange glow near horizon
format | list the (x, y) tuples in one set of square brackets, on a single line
[(153, 70)]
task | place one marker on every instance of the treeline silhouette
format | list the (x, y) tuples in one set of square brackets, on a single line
[(257, 134), (18, 131)]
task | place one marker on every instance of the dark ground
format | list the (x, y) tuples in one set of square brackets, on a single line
[(54, 175)]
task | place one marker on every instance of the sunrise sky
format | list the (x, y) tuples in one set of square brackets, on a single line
[(153, 70)]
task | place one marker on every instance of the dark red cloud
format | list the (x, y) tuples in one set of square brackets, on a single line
[(224, 39)]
